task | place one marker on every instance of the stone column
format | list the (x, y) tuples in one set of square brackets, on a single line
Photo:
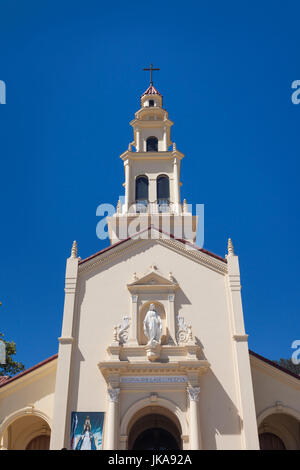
[(176, 187), (112, 428), (165, 139), (194, 418), (171, 317), (133, 328), (138, 140), (127, 185)]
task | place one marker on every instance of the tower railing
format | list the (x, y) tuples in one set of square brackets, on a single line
[(160, 206)]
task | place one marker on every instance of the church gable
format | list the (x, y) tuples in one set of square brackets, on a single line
[(147, 238)]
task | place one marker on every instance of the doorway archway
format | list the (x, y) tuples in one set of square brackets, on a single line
[(153, 429)]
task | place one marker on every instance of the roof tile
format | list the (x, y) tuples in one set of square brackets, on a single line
[(151, 90)]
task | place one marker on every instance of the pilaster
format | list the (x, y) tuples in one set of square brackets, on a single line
[(112, 428), (60, 427), (244, 384), (195, 435)]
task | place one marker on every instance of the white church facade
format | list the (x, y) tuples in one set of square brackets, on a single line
[(153, 352)]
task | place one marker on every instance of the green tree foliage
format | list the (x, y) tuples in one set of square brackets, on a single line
[(11, 367), (289, 365)]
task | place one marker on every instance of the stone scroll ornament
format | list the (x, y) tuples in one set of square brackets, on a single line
[(123, 330), (184, 331)]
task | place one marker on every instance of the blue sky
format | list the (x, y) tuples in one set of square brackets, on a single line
[(73, 72)]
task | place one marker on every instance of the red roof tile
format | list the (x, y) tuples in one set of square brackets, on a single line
[(151, 90), (3, 379)]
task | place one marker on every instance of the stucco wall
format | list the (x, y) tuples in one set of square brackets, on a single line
[(272, 388), (30, 396), (103, 300)]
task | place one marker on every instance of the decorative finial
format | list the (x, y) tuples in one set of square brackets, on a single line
[(74, 249), (185, 206), (135, 278), (118, 206), (230, 248), (129, 147), (174, 147)]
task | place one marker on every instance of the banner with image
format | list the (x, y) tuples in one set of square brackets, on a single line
[(86, 430)]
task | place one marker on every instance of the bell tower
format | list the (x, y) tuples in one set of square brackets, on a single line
[(152, 177)]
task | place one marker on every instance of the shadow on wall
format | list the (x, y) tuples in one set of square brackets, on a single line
[(218, 415)]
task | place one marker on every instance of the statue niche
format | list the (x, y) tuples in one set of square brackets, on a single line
[(152, 323), (152, 328)]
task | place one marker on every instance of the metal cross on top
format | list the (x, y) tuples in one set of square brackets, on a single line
[(151, 70)]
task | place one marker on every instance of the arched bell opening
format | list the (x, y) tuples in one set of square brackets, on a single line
[(152, 144), (141, 193)]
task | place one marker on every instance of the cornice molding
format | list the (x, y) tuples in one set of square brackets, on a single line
[(124, 369), (152, 281), (240, 338), (66, 340), (175, 245), (167, 155)]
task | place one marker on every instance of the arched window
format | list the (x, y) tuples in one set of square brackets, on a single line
[(151, 103), (163, 193), (141, 193), (152, 144)]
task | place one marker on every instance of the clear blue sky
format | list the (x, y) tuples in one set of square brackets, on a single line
[(74, 75)]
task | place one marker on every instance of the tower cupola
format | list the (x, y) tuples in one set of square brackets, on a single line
[(152, 170)]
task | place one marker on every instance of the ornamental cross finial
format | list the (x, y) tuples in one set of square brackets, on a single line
[(151, 70)]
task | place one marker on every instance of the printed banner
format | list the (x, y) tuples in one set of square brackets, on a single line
[(86, 430)]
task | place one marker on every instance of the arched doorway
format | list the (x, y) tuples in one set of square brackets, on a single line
[(155, 439), (269, 441), (279, 431), (154, 430), (39, 443)]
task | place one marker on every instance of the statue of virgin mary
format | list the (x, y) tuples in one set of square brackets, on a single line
[(153, 326)]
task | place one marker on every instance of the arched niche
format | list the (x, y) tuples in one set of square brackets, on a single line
[(142, 339), (22, 428)]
